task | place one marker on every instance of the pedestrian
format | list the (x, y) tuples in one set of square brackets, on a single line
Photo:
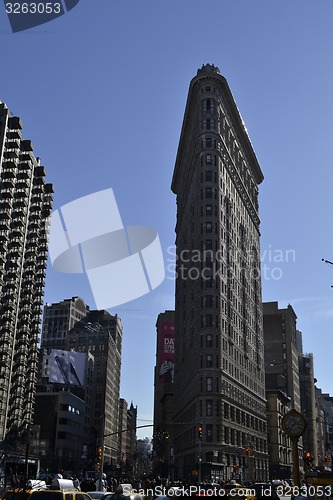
[(76, 483)]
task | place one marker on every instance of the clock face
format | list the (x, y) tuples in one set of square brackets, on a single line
[(294, 424)]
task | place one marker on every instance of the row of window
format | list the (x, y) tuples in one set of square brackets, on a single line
[(225, 434), (207, 384), (207, 227), (69, 436), (207, 340), (71, 409), (70, 423), (208, 176), (238, 438), (207, 361), (244, 398), (209, 142), (207, 89), (207, 320), (208, 124), (208, 159), (241, 417)]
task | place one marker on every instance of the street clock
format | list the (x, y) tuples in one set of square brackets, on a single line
[(294, 424)]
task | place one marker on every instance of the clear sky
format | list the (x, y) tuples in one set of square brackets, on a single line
[(102, 91)]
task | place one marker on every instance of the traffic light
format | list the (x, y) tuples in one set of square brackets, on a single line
[(200, 431), (248, 452), (308, 458), (99, 455)]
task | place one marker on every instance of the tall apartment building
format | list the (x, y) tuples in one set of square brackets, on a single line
[(99, 333), (25, 204), (219, 359)]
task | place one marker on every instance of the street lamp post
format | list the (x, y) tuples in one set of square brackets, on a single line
[(27, 435), (200, 458)]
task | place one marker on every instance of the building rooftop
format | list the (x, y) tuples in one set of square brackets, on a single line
[(208, 68)]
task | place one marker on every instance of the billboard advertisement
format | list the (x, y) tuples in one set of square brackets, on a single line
[(166, 351), (67, 367)]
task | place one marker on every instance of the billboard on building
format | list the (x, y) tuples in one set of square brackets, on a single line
[(166, 351), (67, 367)]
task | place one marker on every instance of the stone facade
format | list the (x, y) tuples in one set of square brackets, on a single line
[(219, 363)]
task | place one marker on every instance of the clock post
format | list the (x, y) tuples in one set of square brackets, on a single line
[(294, 425)]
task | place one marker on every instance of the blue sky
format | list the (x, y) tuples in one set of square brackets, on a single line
[(102, 91)]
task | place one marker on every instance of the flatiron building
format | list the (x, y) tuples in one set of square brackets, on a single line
[(219, 383)]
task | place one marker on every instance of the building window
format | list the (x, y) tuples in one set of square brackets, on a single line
[(209, 408), (209, 300), (209, 227), (209, 320), (209, 192), (209, 282), (208, 159), (209, 244), (208, 105), (209, 175), (207, 124), (209, 341), (209, 361), (208, 142), (209, 433), (209, 209), (209, 384)]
